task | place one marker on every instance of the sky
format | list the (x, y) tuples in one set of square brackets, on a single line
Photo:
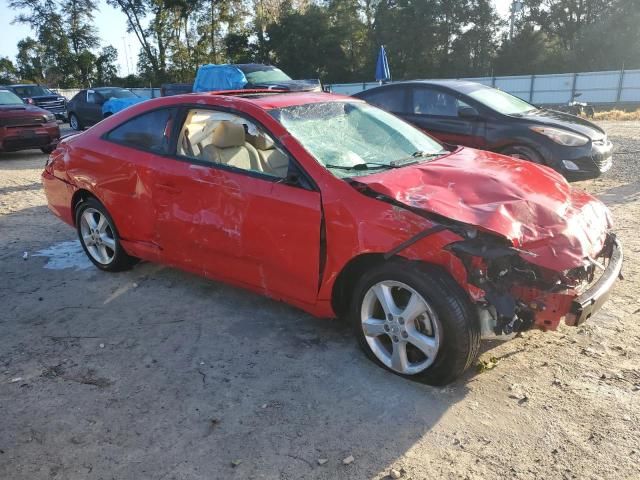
[(112, 28)]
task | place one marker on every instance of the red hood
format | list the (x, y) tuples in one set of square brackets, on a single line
[(532, 206), (20, 110)]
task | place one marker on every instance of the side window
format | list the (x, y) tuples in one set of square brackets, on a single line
[(390, 99), (149, 131), (427, 101), (80, 96), (228, 139), (92, 96)]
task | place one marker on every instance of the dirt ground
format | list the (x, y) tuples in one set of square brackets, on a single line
[(158, 374)]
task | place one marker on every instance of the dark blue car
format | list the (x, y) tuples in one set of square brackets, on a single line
[(466, 113)]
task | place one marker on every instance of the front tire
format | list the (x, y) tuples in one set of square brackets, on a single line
[(522, 152), (415, 321), (74, 122), (99, 237)]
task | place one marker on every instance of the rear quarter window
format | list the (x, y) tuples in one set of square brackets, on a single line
[(150, 131)]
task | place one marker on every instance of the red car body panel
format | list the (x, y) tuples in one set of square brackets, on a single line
[(532, 206), (292, 244)]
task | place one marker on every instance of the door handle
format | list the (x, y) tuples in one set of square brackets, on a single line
[(168, 188)]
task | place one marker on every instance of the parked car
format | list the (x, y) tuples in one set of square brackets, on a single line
[(248, 76), (42, 97), (170, 89), (91, 105), (466, 113), (341, 209), (24, 126)]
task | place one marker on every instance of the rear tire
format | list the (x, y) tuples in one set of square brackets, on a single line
[(440, 336), (99, 237), (522, 152)]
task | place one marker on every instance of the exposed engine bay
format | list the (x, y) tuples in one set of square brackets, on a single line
[(520, 295)]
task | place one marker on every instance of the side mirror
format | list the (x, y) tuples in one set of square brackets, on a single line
[(468, 112)]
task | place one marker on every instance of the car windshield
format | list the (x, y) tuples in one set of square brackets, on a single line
[(116, 93), (353, 138), (26, 91), (9, 98), (265, 75), (500, 101)]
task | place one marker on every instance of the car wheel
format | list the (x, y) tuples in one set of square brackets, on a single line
[(523, 153), (415, 321), (99, 237), (47, 150), (74, 122)]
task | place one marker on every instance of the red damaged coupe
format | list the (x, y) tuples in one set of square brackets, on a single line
[(340, 209)]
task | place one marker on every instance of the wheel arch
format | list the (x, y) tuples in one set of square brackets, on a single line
[(347, 278), (538, 149), (358, 265), (81, 195)]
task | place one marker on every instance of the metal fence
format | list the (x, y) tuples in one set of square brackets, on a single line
[(611, 87), (598, 88)]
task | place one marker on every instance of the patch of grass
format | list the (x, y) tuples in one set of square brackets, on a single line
[(617, 115)]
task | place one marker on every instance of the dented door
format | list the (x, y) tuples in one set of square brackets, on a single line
[(235, 226)]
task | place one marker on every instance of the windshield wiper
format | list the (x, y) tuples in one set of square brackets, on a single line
[(363, 166), (401, 162)]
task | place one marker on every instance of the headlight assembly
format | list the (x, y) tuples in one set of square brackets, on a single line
[(562, 137)]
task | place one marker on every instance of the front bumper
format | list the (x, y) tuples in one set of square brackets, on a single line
[(22, 138), (587, 304), (547, 309), (591, 161)]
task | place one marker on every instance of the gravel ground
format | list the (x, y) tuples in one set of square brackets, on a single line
[(158, 374)]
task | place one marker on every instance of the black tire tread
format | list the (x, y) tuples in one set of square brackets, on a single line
[(122, 261), (458, 351)]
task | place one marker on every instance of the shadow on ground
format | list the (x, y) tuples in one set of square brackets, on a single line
[(156, 373)]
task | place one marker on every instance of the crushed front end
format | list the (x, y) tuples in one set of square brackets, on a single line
[(519, 295)]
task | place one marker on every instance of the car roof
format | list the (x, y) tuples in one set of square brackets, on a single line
[(458, 85), (270, 99)]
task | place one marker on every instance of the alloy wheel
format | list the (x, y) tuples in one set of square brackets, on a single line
[(97, 236), (402, 329)]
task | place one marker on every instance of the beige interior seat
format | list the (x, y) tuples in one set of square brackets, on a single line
[(273, 161), (228, 146)]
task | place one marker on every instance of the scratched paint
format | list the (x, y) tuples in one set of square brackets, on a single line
[(65, 255)]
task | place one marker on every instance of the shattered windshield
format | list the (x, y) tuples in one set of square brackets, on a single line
[(353, 138)]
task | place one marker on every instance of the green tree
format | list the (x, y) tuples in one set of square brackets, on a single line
[(30, 60), (304, 45), (8, 71)]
